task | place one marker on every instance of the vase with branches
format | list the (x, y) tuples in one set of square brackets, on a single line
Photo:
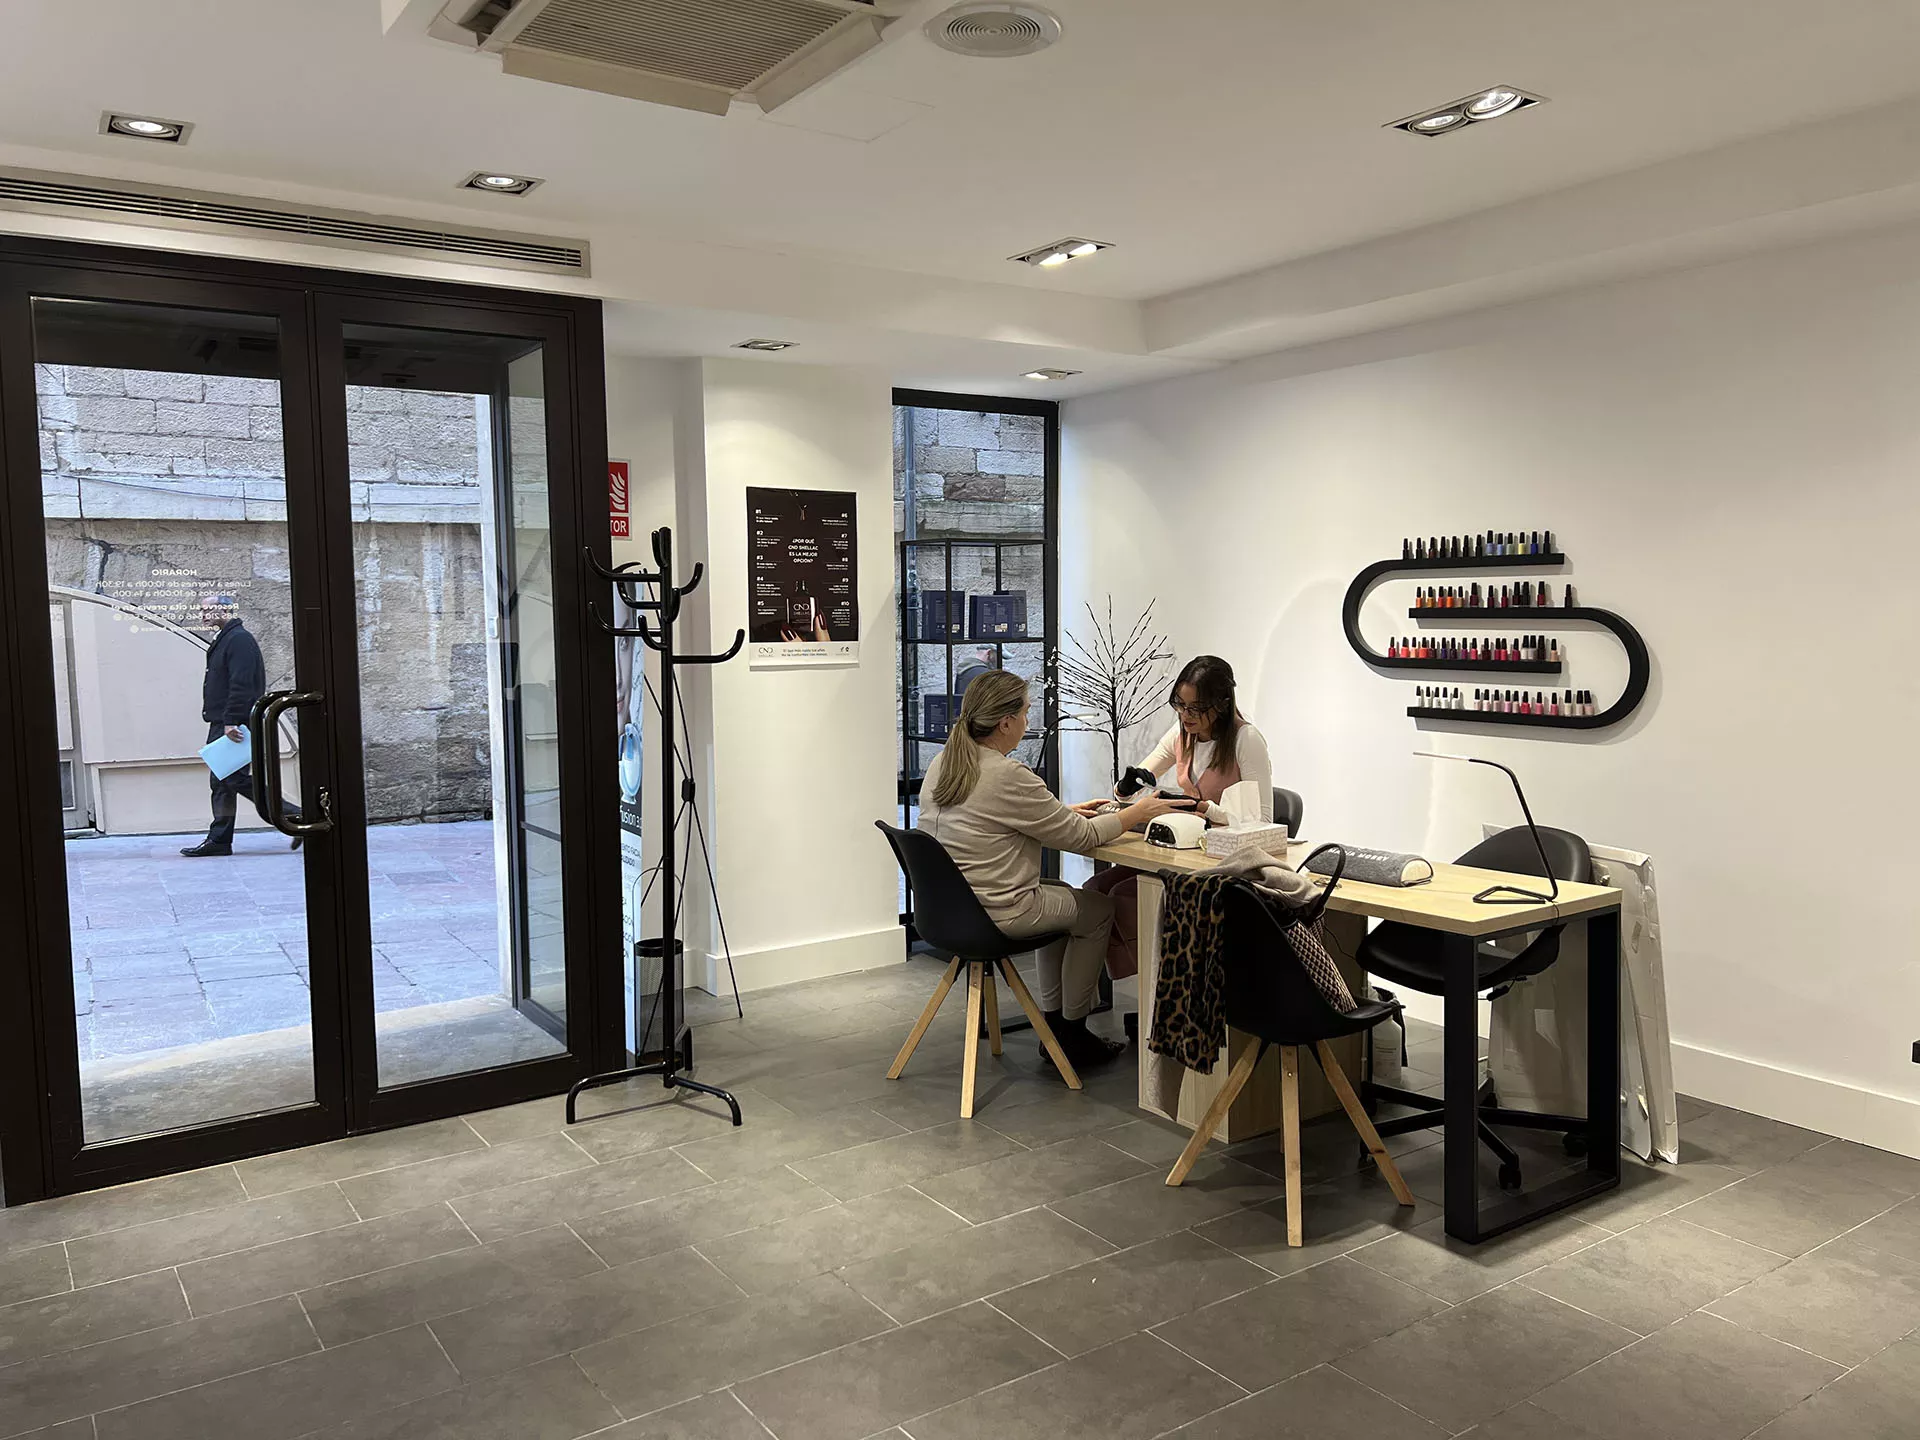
[(1114, 679)]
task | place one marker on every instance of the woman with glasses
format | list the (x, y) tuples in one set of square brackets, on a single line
[(995, 816), (1210, 746)]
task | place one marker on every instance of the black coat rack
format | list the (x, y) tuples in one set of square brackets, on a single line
[(632, 580)]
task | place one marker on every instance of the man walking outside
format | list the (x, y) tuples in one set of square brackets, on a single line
[(236, 677)]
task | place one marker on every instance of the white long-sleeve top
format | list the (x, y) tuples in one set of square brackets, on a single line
[(1249, 751)]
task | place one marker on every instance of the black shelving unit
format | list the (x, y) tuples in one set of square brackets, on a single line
[(1532, 617)]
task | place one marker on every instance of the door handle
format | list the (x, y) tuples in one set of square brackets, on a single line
[(268, 791)]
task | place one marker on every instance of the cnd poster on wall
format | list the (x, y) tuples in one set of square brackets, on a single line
[(630, 668), (802, 578)]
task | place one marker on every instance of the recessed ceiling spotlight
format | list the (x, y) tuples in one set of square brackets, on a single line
[(1468, 110), (1048, 374), (768, 347), (498, 182), (1061, 251), (145, 127)]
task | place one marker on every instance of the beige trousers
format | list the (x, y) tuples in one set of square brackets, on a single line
[(1070, 967)]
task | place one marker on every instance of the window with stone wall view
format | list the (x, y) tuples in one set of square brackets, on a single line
[(970, 497)]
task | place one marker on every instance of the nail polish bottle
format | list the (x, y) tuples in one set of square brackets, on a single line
[(1546, 543), (1591, 707), (1406, 549), (1458, 703), (1553, 652), (1569, 602), (1546, 594)]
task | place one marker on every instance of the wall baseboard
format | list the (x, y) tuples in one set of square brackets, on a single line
[(810, 960), (1833, 1107)]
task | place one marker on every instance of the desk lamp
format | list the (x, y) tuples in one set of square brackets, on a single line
[(1510, 894)]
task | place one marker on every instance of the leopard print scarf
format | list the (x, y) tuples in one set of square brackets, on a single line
[(1189, 1022)]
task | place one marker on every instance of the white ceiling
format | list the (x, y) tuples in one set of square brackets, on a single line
[(1206, 138)]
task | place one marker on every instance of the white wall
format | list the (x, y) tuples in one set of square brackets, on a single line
[(794, 766), (1731, 457)]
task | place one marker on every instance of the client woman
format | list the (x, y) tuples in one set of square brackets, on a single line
[(994, 816), (1210, 747)]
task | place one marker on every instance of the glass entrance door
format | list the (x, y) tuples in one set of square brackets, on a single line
[(300, 743)]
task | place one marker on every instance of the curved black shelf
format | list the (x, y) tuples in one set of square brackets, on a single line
[(1501, 667), (1639, 665)]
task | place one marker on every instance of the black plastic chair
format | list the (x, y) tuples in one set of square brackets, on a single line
[(950, 918), (1269, 994), (1288, 810), (1412, 957)]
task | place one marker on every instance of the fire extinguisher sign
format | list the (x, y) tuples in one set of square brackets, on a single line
[(618, 499)]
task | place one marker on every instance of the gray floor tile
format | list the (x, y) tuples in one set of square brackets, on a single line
[(1032, 1177), (1842, 1301), (86, 1317), (138, 1367), (1291, 1325), (692, 1217), (359, 1155), (652, 1369), (1792, 1207), (949, 1270), (467, 1173), (1133, 1389), (1873, 1402), (23, 1227), (1897, 1232), (548, 1401), (1158, 1142), (287, 1266), (562, 1315), (1469, 1363), (576, 1194), (1648, 1277), (647, 1123), (1704, 1378), (1096, 1303), (712, 1417), (179, 1241), (1335, 1218), (1045, 1114), (1428, 1258), (872, 1384), (294, 1397), (1688, 1109), (827, 1090), (1881, 1167), (71, 1430), (408, 1294), (1146, 1207), (732, 1153), (1740, 1141), (1649, 1191), (775, 1256), (906, 1159), (30, 1274), (1527, 1421), (1322, 1404)]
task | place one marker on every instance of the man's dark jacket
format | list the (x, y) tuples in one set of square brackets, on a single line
[(236, 676)]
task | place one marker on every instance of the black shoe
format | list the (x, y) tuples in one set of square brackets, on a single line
[(1083, 1048), (298, 841), (207, 847)]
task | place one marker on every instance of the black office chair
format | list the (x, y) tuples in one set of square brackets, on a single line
[(1288, 810), (1269, 994), (950, 917), (1410, 956)]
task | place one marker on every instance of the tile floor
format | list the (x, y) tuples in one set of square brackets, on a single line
[(856, 1262)]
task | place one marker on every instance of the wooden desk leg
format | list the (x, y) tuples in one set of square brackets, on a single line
[(991, 1004), (970, 1064)]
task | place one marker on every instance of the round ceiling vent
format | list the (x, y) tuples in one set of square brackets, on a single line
[(993, 29)]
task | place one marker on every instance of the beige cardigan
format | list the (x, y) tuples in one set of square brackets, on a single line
[(997, 833)]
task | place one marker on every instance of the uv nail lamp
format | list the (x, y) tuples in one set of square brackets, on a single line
[(1177, 832)]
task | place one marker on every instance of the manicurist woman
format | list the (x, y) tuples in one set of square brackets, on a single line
[(995, 816), (1210, 746)]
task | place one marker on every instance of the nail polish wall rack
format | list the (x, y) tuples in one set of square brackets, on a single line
[(1639, 665)]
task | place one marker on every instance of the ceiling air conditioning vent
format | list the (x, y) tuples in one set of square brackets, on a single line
[(42, 193), (991, 30), (696, 54)]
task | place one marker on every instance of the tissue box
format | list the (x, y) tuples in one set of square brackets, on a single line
[(1223, 842)]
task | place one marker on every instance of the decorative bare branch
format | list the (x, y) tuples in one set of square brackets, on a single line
[(1111, 681)]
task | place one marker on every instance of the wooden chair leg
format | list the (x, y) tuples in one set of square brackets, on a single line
[(1357, 1113), (1040, 1026), (970, 1065), (926, 1019), (1216, 1112), (991, 1004), (1290, 1135)]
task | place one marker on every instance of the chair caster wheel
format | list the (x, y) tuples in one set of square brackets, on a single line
[(1574, 1144), (1509, 1177)]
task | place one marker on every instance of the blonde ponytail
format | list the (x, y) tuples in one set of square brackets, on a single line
[(990, 698)]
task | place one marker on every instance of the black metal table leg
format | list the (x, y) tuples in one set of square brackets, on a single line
[(1460, 1068)]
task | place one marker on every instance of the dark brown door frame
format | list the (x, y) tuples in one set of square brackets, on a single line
[(40, 1154)]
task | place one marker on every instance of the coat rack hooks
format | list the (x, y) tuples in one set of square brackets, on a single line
[(676, 1038)]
